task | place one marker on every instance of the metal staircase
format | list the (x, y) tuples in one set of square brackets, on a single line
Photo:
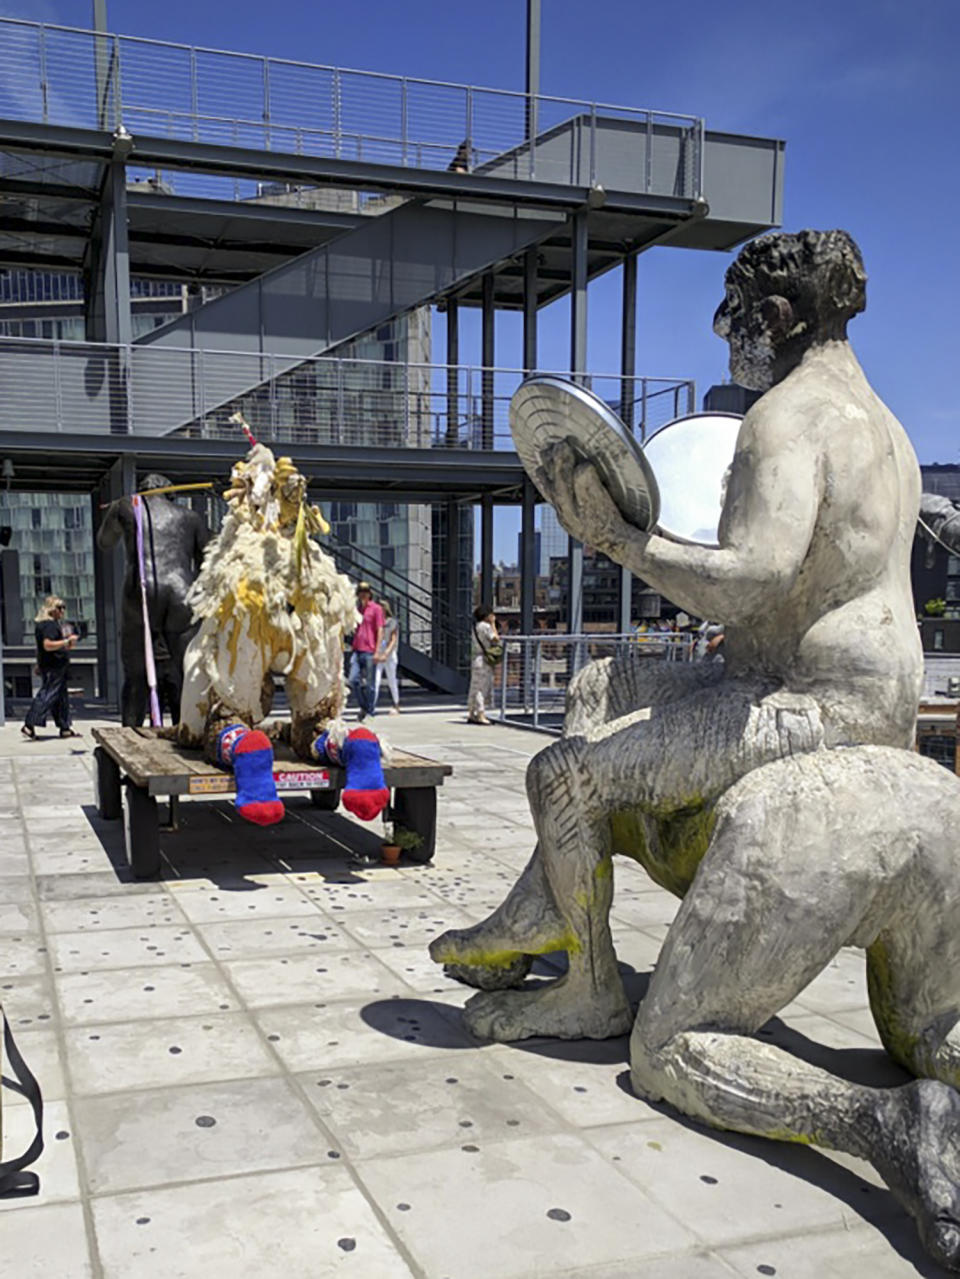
[(387, 266), (434, 648)]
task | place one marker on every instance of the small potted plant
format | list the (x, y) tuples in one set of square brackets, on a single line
[(399, 840)]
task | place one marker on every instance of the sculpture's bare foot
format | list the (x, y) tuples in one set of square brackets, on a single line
[(920, 1162), (478, 958), (554, 1012), (487, 977)]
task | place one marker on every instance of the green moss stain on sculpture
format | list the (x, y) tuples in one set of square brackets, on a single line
[(480, 957), (680, 839), (899, 1043)]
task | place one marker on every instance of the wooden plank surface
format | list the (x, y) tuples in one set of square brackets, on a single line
[(163, 768)]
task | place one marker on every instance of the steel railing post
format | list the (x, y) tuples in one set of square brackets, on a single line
[(468, 136), (403, 122), (58, 388), (117, 86), (336, 112), (266, 103), (538, 655), (338, 433), (593, 144), (648, 158), (194, 95), (503, 681), (43, 74)]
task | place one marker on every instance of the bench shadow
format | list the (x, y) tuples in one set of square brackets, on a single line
[(212, 842)]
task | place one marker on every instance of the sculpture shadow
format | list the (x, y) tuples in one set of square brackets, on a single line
[(866, 1066)]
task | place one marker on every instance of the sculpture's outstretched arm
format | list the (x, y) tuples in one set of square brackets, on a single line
[(768, 519)]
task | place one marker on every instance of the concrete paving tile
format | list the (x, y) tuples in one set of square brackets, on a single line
[(57, 1165), (49, 1242), (246, 938), (580, 1080), (126, 948), (842, 985), (132, 1140), (403, 926), (28, 1000), (14, 859), (16, 888), (274, 901), (303, 1224), (730, 1187), (133, 994), (88, 858), (17, 917), (391, 889), (92, 883), (698, 1264), (414, 967), (518, 1185), (22, 956), (645, 910), (164, 1052), (358, 1031), (891, 1253), (413, 1106), (40, 1050), (299, 979), (89, 914)]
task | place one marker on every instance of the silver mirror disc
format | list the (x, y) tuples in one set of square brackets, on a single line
[(547, 410), (690, 458)]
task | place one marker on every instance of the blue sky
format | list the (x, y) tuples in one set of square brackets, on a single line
[(865, 93)]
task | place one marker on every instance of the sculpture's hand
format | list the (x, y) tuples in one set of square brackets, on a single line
[(583, 505)]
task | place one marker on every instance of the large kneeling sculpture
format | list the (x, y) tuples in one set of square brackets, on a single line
[(776, 793)]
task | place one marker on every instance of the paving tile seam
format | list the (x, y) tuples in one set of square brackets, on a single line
[(93, 1249)]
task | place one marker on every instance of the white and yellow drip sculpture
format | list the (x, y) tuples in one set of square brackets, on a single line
[(269, 601)]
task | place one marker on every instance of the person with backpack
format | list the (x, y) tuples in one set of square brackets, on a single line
[(487, 656)]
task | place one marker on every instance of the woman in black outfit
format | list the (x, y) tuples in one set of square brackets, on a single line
[(53, 657)]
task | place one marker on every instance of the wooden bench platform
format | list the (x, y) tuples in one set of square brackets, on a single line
[(146, 766)]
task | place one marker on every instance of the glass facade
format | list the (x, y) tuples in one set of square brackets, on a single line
[(53, 536)]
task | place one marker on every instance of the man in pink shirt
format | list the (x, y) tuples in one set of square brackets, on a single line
[(366, 642)]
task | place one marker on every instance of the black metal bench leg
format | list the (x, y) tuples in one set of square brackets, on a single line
[(142, 832), (106, 785), (415, 809)]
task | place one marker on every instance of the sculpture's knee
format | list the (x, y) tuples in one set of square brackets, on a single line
[(586, 698), (555, 769)]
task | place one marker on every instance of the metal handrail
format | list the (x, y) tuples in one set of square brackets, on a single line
[(329, 399), (74, 76), (523, 697)]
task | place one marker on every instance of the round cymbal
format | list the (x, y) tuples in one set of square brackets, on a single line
[(548, 410)]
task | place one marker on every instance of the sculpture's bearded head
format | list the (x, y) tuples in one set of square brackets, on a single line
[(784, 294)]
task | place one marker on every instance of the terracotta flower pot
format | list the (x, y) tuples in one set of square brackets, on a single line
[(390, 853)]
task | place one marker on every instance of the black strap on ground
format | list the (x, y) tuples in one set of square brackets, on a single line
[(14, 1182)]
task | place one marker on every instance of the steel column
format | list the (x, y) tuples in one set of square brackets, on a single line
[(486, 549), (528, 557), (487, 359), (453, 362), (533, 71), (108, 316), (628, 369), (578, 366), (530, 310)]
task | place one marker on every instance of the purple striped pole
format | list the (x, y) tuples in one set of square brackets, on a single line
[(155, 717)]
